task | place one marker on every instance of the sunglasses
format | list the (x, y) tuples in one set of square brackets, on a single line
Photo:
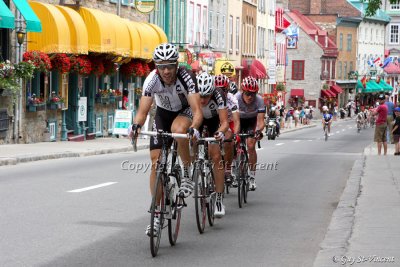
[(169, 66), (204, 96), (249, 94)]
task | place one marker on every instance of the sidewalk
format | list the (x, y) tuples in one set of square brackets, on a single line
[(365, 227), (15, 154)]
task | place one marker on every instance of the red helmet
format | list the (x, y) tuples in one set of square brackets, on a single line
[(221, 81), (250, 84)]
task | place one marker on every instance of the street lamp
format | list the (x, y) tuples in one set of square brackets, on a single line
[(20, 36), (197, 48)]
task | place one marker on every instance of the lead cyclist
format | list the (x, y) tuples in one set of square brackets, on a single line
[(178, 111)]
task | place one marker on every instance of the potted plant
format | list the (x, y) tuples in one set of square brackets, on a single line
[(61, 63), (40, 60), (325, 86), (103, 96), (35, 103), (55, 102), (81, 65), (280, 87)]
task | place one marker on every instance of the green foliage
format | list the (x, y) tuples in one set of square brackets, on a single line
[(374, 5)]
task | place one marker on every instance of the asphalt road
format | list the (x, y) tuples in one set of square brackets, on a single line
[(43, 224)]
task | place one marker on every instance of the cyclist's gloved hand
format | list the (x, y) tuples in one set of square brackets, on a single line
[(219, 136), (237, 139), (193, 132), (134, 130), (258, 135)]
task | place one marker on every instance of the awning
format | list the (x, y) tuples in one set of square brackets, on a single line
[(297, 92), (392, 68), (195, 66), (336, 89), (6, 17), (161, 34), (55, 36), (328, 93), (136, 44), (101, 33), (372, 87), (78, 31), (385, 86), (257, 69), (122, 36), (32, 21), (149, 39)]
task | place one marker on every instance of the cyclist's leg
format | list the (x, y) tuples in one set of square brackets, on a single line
[(251, 150), (228, 148), (329, 126)]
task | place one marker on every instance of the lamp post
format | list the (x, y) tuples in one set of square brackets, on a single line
[(197, 49), (20, 34)]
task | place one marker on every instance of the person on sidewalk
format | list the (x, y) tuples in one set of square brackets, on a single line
[(296, 115), (381, 125), (396, 132), (390, 121)]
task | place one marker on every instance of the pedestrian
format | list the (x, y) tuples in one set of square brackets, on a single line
[(381, 125), (307, 115), (335, 112), (390, 119), (282, 116), (396, 132), (302, 114), (296, 115), (125, 100), (349, 109)]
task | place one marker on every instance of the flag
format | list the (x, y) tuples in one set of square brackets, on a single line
[(364, 81), (378, 62), (387, 61), (370, 62)]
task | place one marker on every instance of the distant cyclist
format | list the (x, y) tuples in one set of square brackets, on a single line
[(326, 117), (252, 113)]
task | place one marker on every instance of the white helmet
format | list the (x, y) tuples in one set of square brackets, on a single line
[(324, 108), (205, 83), (165, 52), (273, 109)]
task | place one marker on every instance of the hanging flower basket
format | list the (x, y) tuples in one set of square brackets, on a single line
[(280, 87), (97, 66), (109, 67), (61, 63), (39, 59), (81, 65), (135, 68)]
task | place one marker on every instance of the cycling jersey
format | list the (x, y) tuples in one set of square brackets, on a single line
[(250, 110), (327, 117), (217, 102), (232, 103), (171, 97)]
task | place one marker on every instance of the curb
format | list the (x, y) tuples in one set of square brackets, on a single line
[(25, 159), (298, 129), (335, 242)]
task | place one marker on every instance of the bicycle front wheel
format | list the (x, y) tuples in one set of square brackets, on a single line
[(211, 196), (240, 165), (157, 210), (176, 206), (200, 201)]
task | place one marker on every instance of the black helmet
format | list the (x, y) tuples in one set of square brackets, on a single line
[(381, 97)]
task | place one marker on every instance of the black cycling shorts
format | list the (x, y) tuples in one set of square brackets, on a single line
[(212, 125), (248, 124), (163, 121)]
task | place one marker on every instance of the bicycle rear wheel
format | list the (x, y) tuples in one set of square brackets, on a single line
[(157, 209), (200, 198), (240, 165), (211, 196)]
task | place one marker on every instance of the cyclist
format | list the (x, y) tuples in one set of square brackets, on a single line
[(326, 117), (222, 81), (215, 113), (252, 113), (360, 119), (273, 115), (233, 88), (178, 110)]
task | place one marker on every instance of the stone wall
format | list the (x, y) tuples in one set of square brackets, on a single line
[(6, 103)]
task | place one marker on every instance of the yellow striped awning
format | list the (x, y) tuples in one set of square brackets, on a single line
[(136, 46), (78, 31), (161, 34), (55, 35), (122, 36), (149, 39)]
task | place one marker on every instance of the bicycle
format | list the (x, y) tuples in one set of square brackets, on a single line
[(204, 184), (240, 167), (165, 204), (326, 131), (359, 126)]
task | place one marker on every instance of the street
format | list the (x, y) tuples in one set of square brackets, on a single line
[(90, 212)]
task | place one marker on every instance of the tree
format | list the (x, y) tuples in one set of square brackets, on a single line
[(374, 5)]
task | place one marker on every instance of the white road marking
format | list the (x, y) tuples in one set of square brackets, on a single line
[(343, 130), (332, 134), (296, 141), (259, 149), (91, 187), (279, 144), (337, 132), (310, 140)]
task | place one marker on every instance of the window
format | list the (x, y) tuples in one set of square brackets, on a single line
[(223, 30), (237, 34), (210, 25), (110, 123), (230, 34), (345, 69), (349, 41), (297, 69), (395, 6), (394, 34), (340, 70), (351, 66), (371, 38), (99, 125), (366, 34), (204, 24), (341, 41), (217, 30), (191, 26), (333, 74)]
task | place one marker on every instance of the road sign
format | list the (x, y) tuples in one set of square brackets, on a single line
[(122, 121), (82, 110)]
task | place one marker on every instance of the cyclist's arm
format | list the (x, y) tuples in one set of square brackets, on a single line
[(144, 108), (260, 121), (194, 102), (223, 120), (236, 122)]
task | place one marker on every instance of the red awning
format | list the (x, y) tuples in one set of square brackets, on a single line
[(328, 93), (257, 69), (336, 89), (297, 92)]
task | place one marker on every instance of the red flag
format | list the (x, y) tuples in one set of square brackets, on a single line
[(364, 81)]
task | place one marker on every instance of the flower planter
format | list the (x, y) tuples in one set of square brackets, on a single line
[(118, 98), (35, 107), (105, 100), (98, 99), (54, 106), (112, 99)]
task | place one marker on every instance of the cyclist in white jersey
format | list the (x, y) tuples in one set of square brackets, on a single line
[(252, 112), (222, 81), (178, 110), (215, 113)]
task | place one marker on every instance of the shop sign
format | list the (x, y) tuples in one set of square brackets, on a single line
[(224, 67), (82, 108), (145, 6), (122, 121)]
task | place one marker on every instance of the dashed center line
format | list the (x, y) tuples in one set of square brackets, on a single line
[(259, 149), (337, 132), (296, 141), (91, 187), (279, 144)]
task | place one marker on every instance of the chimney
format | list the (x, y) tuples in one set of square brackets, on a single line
[(315, 7)]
